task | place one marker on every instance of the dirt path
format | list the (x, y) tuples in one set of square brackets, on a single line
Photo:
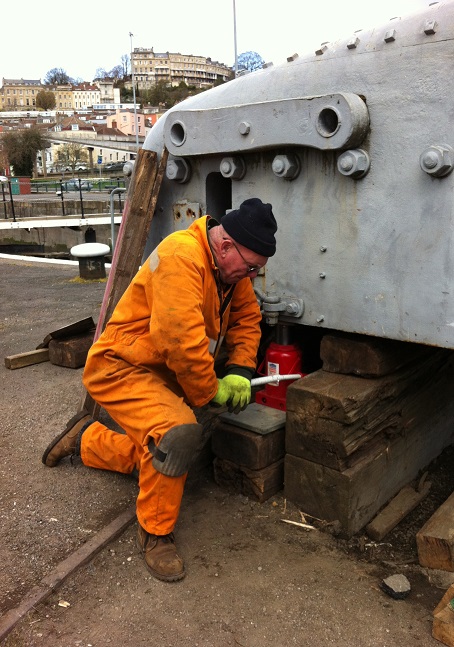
[(252, 580)]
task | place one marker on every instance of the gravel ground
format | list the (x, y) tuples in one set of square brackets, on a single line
[(252, 580)]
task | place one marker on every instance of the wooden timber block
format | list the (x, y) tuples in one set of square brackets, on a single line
[(70, 330), (355, 495), (435, 540), (259, 484), (443, 622), (366, 356), (331, 416), (27, 359), (71, 352), (396, 510), (247, 448)]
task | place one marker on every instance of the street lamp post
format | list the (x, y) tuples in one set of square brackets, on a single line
[(134, 95), (234, 38)]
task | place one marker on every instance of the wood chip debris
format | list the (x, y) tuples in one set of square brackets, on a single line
[(306, 526)]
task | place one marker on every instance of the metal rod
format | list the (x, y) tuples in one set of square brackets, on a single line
[(271, 379), (81, 199), (4, 202), (234, 38), (12, 201), (134, 96), (118, 190)]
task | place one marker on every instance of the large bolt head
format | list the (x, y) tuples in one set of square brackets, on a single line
[(437, 160), (355, 163), (233, 167), (286, 166), (178, 170)]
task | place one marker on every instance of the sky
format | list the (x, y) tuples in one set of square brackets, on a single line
[(80, 38)]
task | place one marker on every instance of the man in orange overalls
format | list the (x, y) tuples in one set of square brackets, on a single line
[(155, 361)]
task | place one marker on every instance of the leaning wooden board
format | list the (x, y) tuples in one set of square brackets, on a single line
[(137, 216)]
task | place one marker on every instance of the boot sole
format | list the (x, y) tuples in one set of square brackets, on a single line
[(74, 420), (156, 574)]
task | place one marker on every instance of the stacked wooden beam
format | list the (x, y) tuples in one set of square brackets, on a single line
[(249, 451), (363, 426)]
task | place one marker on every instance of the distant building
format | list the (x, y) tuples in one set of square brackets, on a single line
[(85, 95), (19, 94), (149, 68)]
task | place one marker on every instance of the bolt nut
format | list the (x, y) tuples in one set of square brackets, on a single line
[(320, 319), (233, 167), (437, 160), (353, 43), (178, 170), (286, 166), (244, 128), (355, 163), (390, 36), (430, 27)]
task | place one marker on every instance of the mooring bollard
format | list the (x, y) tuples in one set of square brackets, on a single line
[(91, 260)]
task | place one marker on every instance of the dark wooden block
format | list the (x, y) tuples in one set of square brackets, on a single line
[(71, 352), (330, 416), (354, 496), (70, 330), (259, 484), (366, 356), (247, 448)]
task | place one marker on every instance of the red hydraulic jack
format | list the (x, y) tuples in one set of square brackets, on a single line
[(281, 358)]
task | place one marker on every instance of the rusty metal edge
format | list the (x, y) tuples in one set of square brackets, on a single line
[(64, 569)]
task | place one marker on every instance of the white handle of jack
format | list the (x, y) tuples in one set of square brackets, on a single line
[(271, 379)]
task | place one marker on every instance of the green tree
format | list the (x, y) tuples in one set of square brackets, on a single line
[(57, 76), (45, 99), (21, 148), (69, 155)]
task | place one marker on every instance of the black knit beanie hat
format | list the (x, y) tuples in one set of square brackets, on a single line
[(252, 225)]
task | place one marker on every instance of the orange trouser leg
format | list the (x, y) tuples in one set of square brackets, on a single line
[(145, 406)]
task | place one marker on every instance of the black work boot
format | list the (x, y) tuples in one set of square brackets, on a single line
[(161, 556), (68, 442)]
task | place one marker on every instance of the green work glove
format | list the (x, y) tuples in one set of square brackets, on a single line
[(240, 392), (222, 394)]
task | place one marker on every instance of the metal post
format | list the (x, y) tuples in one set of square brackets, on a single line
[(81, 200), (112, 214), (62, 199), (234, 38), (12, 201), (134, 96), (4, 202)]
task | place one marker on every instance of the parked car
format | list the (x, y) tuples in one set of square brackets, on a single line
[(81, 166), (73, 185), (115, 166)]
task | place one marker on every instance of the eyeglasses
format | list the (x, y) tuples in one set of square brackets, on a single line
[(250, 268)]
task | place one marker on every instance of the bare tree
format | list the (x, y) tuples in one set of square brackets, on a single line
[(57, 76), (69, 155)]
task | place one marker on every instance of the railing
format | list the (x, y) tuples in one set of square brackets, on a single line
[(105, 184)]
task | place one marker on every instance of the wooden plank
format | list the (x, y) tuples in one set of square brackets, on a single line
[(333, 414), (259, 484), (27, 359), (354, 496), (402, 504), (366, 356), (75, 328), (435, 540), (71, 352), (443, 622), (63, 570), (140, 205), (246, 448)]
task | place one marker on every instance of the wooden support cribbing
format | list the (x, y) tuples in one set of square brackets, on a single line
[(435, 540), (139, 210), (443, 623)]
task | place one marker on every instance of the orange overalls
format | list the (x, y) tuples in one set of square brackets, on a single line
[(155, 360)]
